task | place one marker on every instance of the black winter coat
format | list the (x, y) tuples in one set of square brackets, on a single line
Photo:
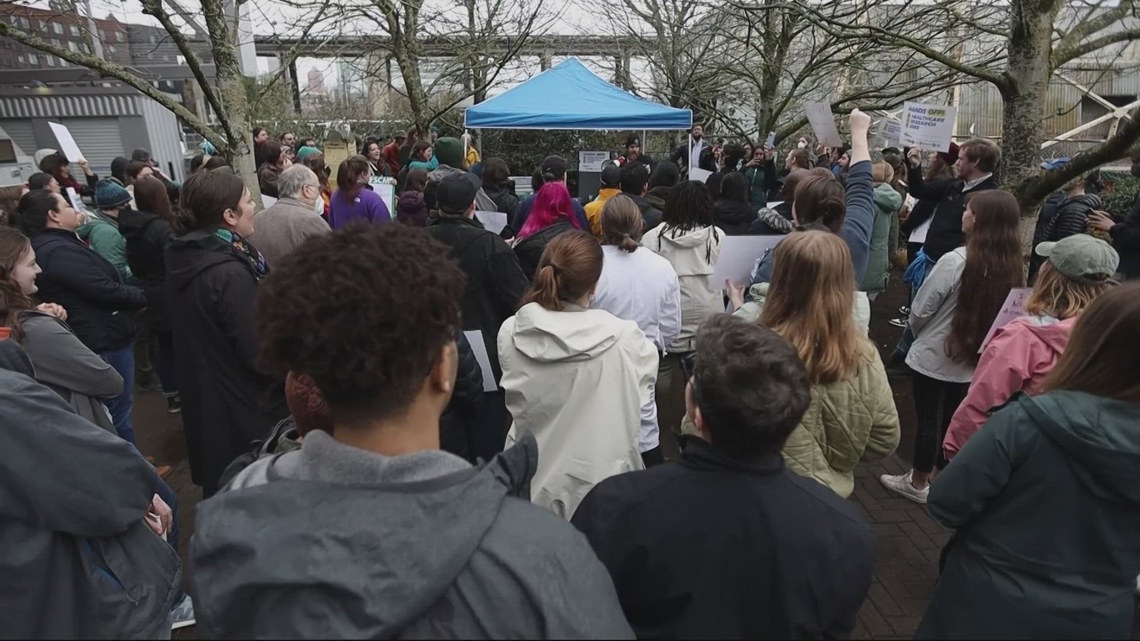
[(226, 403), (506, 202), (463, 409), (529, 250), (734, 217), (650, 215), (147, 236), (495, 283), (945, 233), (711, 547), (1126, 241), (98, 302)]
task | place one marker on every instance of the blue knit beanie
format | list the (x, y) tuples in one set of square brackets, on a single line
[(109, 194)]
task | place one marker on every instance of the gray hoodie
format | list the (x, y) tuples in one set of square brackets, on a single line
[(331, 541), (76, 558)]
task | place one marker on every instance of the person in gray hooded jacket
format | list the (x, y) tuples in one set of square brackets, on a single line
[(369, 530), (77, 559)]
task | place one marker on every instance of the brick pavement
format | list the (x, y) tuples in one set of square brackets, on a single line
[(908, 545)]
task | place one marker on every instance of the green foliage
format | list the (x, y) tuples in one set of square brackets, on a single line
[(1120, 191)]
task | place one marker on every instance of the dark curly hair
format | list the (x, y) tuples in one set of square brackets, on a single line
[(363, 311)]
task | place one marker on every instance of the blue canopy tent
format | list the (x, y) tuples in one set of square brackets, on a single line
[(570, 96)]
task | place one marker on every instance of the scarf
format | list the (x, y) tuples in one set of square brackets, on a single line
[(245, 250)]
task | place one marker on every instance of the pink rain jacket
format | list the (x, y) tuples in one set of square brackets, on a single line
[(1016, 359)]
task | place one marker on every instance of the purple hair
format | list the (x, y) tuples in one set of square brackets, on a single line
[(550, 203)]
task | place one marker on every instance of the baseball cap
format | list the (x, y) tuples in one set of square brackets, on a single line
[(553, 168), (455, 194), (1081, 257), (611, 175)]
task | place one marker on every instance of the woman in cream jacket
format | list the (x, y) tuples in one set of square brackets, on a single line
[(574, 377)]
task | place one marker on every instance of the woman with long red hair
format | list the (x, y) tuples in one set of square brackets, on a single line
[(551, 216)]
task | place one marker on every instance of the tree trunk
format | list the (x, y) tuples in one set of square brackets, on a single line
[(1026, 88), (231, 91)]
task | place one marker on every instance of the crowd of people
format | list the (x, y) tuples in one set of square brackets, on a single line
[(406, 425)]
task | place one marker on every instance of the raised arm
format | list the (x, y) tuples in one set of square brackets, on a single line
[(859, 196)]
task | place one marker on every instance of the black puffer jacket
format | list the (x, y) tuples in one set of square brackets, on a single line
[(227, 404), (98, 303), (463, 408), (529, 250), (495, 283), (1126, 241), (147, 236)]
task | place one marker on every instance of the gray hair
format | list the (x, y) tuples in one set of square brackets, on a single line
[(293, 179)]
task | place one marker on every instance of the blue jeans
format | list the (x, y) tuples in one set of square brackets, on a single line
[(123, 360)]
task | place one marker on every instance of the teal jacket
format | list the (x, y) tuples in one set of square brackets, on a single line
[(430, 165), (101, 233), (1045, 499), (884, 237)]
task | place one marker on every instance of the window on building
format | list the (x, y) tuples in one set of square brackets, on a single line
[(110, 48), (57, 28), (71, 45), (74, 29), (50, 61), (22, 58)]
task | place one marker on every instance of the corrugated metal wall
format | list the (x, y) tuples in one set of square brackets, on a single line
[(164, 135), (65, 106), (96, 122), (1066, 107)]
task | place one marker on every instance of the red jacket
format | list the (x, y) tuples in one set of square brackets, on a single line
[(391, 155), (1017, 359)]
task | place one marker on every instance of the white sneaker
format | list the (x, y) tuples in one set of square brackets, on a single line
[(902, 486), (182, 615)]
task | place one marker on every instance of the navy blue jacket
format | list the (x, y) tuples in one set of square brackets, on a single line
[(98, 303), (857, 224)]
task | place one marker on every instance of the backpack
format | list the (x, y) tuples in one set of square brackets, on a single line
[(272, 444)]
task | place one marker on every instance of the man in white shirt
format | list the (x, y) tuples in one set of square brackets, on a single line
[(694, 153)]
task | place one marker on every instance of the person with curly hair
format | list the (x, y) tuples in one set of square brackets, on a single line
[(413, 542), (212, 276)]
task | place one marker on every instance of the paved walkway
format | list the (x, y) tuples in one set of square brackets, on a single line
[(906, 566)]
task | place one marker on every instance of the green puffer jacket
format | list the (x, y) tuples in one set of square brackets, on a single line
[(884, 237), (847, 422)]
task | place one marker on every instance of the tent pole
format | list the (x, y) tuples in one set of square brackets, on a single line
[(689, 159)]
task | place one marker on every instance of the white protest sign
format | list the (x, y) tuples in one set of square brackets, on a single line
[(76, 201), (738, 255), (479, 348), (892, 129), (67, 145), (699, 175), (823, 123), (1013, 307), (929, 127), (493, 221), (268, 201), (592, 161), (387, 193)]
